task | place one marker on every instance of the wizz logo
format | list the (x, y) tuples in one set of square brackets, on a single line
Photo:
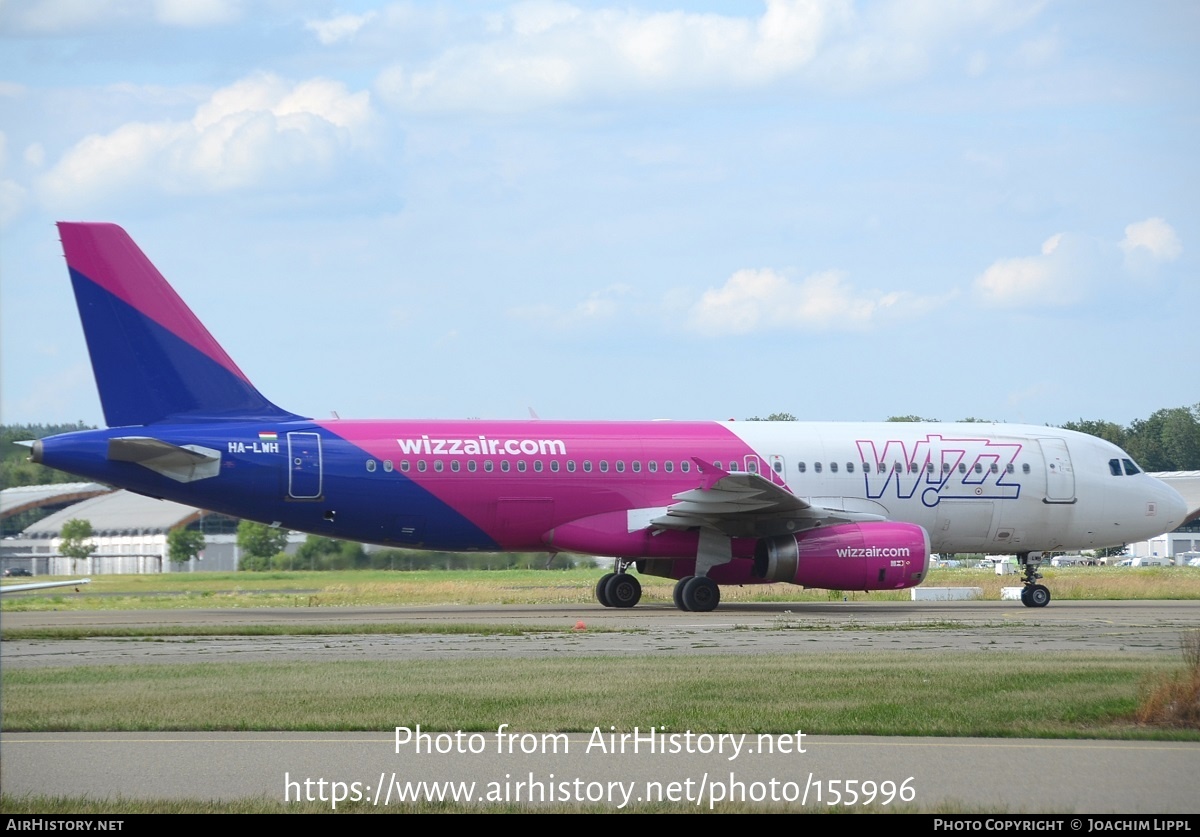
[(940, 468)]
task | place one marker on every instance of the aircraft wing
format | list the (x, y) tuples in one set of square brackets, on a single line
[(743, 504), (42, 585)]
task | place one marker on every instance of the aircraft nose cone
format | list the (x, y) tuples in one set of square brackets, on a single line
[(1174, 507)]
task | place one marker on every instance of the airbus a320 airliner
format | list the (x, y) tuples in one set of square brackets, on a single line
[(838, 506)]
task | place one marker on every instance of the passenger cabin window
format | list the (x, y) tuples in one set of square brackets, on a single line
[(587, 466), (668, 466), (505, 466), (801, 467), (817, 467), (1025, 468), (371, 465), (833, 467), (439, 465), (521, 466), (472, 465), (404, 465), (778, 467), (652, 466), (849, 467), (387, 465), (570, 466), (866, 467), (488, 465), (604, 466), (537, 465), (455, 466), (685, 466)]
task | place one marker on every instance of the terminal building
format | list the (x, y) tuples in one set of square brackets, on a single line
[(129, 531)]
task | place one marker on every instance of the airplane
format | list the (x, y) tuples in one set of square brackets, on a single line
[(843, 506), (43, 585)]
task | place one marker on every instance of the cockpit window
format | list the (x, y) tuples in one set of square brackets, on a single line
[(1130, 468), (1114, 467)]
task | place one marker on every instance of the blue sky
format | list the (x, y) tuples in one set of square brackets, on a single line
[(840, 210)]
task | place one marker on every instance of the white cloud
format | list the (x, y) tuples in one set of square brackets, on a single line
[(255, 132), (1023, 281), (196, 13), (543, 53), (338, 28), (598, 307), (756, 300), (57, 16), (1075, 268), (12, 201), (1155, 237)]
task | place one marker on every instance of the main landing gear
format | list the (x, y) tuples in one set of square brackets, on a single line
[(619, 589), (1033, 594), (697, 593)]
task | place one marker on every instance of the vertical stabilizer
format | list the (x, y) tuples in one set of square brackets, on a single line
[(153, 359)]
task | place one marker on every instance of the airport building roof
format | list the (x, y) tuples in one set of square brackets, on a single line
[(25, 497), (121, 512)]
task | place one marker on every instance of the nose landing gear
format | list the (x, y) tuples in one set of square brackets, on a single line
[(1034, 594)]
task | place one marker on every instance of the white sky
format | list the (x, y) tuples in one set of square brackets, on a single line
[(840, 210)]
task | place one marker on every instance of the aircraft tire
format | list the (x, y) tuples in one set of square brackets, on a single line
[(1039, 595), (623, 590), (602, 589), (701, 594), (677, 593)]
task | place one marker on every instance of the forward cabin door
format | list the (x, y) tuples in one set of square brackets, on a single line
[(1060, 476)]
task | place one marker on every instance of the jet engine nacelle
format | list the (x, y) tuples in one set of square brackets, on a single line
[(849, 556)]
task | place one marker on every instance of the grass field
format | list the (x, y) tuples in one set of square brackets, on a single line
[(998, 694), (499, 587)]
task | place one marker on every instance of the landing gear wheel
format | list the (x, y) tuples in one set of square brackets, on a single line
[(623, 590), (701, 594), (1037, 595), (602, 589), (677, 593)]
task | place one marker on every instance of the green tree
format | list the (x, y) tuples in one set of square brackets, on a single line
[(184, 544), (77, 541), (774, 417), (1106, 430), (909, 418), (259, 543)]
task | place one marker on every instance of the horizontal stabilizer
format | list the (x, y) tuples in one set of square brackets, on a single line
[(182, 464)]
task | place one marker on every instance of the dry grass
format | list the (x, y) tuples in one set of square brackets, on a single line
[(1173, 700)]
